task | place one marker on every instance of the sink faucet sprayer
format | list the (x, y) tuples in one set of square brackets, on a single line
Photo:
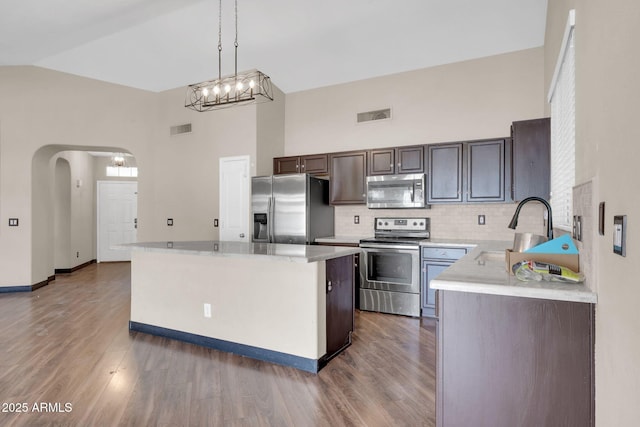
[(514, 220)]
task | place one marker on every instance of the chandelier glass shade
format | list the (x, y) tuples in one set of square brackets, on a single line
[(248, 87), (117, 160)]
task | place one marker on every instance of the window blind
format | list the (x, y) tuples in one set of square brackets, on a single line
[(563, 135)]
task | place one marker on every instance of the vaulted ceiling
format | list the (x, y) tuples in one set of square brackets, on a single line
[(301, 44)]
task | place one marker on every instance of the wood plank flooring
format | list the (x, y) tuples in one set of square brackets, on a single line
[(69, 344)]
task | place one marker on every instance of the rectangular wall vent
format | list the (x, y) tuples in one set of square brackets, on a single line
[(369, 116), (180, 129)]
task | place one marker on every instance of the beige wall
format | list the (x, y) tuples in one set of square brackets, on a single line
[(270, 137), (74, 198), (607, 153), (466, 100), (184, 169), (45, 112), (41, 108)]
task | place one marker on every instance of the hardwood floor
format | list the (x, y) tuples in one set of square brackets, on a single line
[(69, 344)]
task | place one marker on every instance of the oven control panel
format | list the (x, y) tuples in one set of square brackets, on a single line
[(402, 224)]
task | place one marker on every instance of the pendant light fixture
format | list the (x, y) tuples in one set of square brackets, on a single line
[(117, 160), (247, 87)]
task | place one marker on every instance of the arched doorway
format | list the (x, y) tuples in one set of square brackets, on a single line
[(63, 196)]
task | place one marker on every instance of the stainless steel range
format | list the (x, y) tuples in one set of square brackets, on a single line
[(390, 271)]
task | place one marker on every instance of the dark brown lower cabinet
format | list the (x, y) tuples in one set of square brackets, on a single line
[(340, 307), (513, 362)]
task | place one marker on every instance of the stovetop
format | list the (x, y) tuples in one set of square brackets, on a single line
[(398, 231)]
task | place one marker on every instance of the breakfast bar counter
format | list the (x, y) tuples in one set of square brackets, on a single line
[(287, 304)]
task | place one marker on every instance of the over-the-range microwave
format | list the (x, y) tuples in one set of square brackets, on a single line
[(396, 191)]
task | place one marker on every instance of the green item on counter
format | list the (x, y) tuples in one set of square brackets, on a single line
[(536, 270)]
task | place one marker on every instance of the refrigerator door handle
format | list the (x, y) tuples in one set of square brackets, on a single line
[(270, 217)]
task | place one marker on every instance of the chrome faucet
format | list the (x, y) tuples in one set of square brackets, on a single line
[(514, 220)]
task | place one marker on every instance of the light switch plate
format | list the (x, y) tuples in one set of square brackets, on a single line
[(620, 235)]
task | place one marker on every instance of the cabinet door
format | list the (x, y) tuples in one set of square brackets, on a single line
[(340, 308), (485, 171), (348, 184), (430, 269), (316, 164), (531, 170), (445, 173), (506, 361), (382, 162), (282, 165), (410, 159)]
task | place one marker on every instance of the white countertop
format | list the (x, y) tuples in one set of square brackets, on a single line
[(274, 251), (489, 276)]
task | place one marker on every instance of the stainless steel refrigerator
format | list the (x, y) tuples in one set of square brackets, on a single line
[(290, 209)]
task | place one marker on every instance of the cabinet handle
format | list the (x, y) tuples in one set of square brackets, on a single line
[(302, 166), (399, 164), (242, 235)]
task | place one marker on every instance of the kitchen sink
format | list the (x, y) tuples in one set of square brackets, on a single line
[(490, 257)]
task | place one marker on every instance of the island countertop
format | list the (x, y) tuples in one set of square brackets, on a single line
[(483, 271), (273, 251)]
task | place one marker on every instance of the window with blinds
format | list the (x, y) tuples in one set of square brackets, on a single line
[(563, 133)]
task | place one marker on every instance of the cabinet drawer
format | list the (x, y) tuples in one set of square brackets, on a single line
[(443, 253)]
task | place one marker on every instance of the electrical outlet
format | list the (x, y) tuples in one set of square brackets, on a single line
[(207, 310), (13, 222), (481, 220), (170, 222), (577, 227), (356, 219)]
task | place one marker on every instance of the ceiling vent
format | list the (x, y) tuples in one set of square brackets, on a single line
[(180, 129), (371, 116)]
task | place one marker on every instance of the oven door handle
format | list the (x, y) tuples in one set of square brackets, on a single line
[(383, 246)]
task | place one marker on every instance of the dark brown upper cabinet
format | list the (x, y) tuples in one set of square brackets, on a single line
[(348, 185), (486, 171), (316, 164), (389, 161), (283, 165), (471, 171), (445, 173), (531, 163)]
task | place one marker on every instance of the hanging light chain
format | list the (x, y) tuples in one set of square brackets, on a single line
[(235, 43), (250, 86), (220, 40)]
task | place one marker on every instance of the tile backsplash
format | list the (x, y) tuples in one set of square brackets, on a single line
[(458, 221)]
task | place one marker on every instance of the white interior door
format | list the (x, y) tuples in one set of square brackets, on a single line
[(234, 198), (117, 218)]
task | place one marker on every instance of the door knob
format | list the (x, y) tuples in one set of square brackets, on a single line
[(242, 235)]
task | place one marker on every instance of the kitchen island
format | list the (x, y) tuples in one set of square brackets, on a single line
[(287, 304), (511, 352)]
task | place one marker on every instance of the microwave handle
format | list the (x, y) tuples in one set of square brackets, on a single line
[(413, 192)]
